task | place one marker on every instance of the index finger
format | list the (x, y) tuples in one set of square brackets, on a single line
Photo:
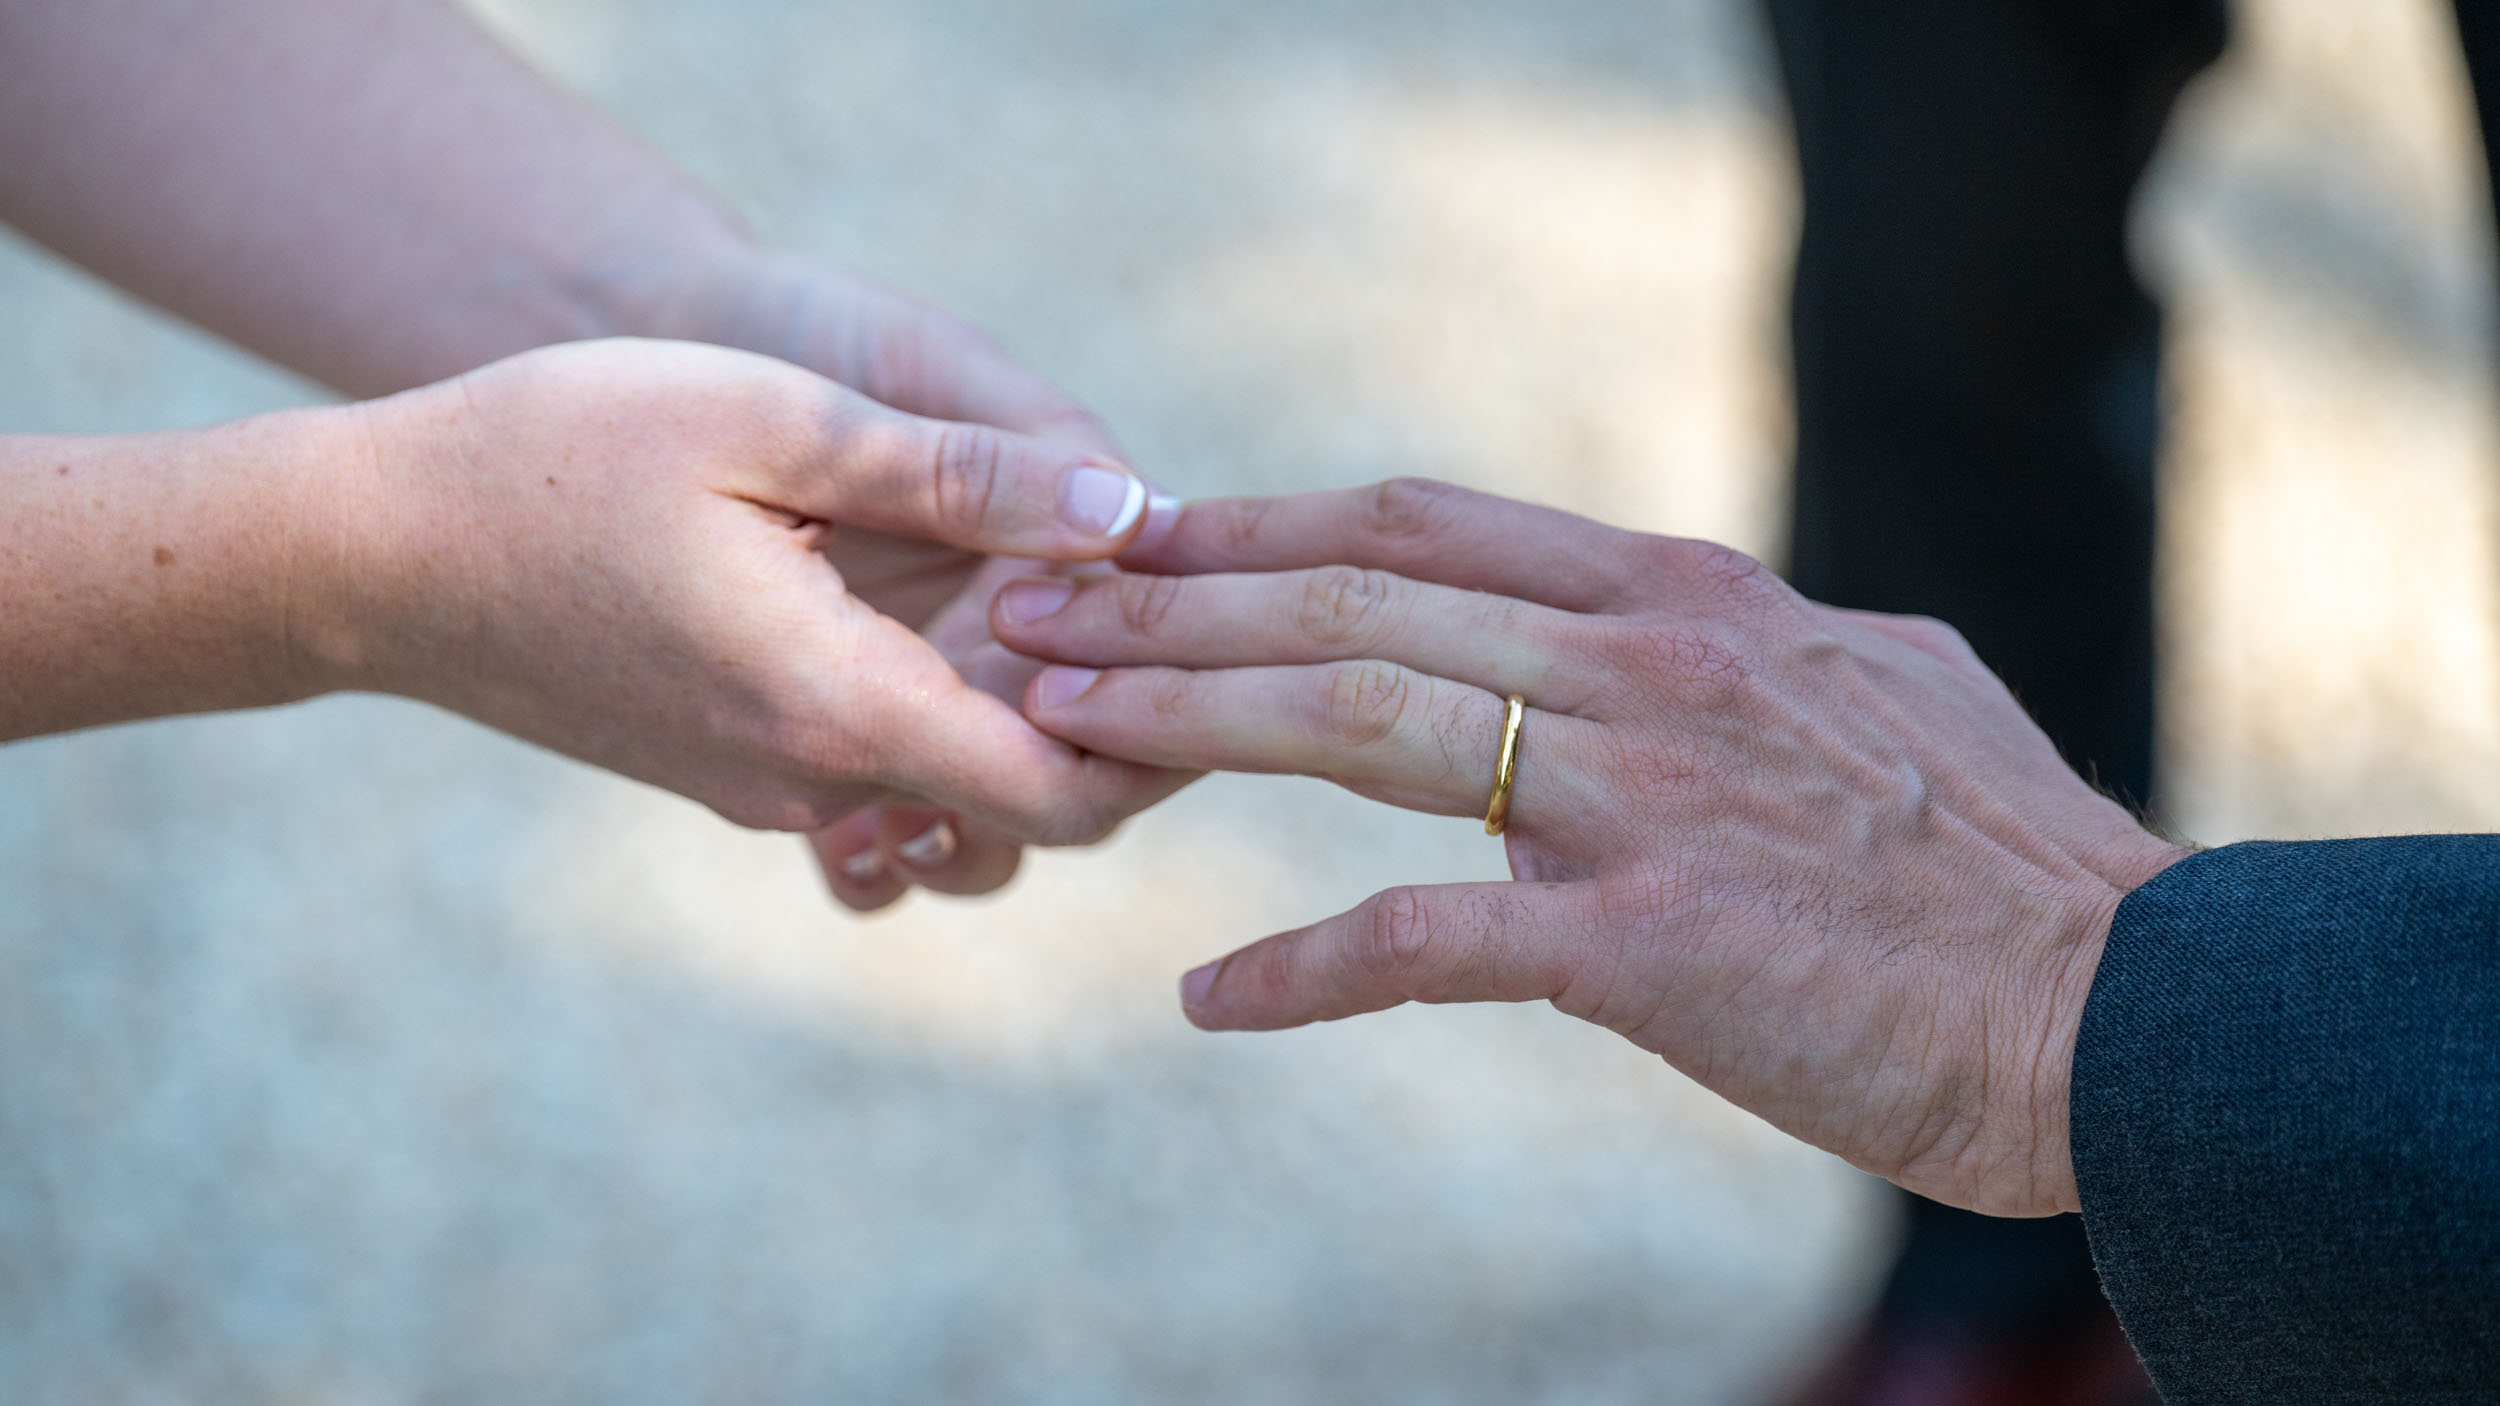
[(1415, 527)]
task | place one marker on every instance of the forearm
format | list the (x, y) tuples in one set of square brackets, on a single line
[(148, 575), (371, 192)]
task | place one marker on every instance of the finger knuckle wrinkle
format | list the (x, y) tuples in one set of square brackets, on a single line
[(1394, 935), (1243, 525), (1147, 602), (1171, 697), (1404, 508), (964, 473), (1339, 603), (1364, 703)]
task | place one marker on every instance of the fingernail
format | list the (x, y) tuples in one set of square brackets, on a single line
[(1163, 513), (1102, 502), (930, 848), (1060, 684), (1195, 985), (1028, 601), (867, 864)]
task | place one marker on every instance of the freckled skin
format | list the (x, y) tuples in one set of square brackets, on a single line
[(681, 622)]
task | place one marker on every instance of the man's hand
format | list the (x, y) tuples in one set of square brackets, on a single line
[(1820, 861), (620, 550)]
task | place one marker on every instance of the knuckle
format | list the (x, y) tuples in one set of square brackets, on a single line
[(965, 464), (1679, 658), (1414, 507), (1939, 639), (1147, 602), (1362, 703), (1392, 935), (1171, 696), (1725, 571), (1709, 575), (1340, 604), (798, 408)]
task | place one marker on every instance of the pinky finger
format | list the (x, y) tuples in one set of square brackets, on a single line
[(1456, 942)]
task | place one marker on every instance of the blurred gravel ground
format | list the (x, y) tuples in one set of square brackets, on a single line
[(352, 1054)]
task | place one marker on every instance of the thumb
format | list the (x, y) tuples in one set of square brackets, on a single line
[(970, 486), (1454, 942)]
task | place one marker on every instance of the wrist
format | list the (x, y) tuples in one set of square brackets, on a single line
[(353, 503), (324, 490), (2060, 986), (731, 294)]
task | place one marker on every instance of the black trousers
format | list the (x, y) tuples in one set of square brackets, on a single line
[(1978, 382)]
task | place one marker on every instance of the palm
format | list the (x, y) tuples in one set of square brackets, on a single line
[(908, 579)]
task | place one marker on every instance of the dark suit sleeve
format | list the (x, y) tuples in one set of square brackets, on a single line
[(2287, 1122)]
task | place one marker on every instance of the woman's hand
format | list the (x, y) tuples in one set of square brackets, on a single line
[(916, 358), (620, 550), (374, 193), (1821, 861)]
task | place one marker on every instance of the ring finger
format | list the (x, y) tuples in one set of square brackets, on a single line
[(1382, 730)]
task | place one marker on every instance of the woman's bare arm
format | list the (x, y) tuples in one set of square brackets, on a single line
[(372, 192), (613, 549), (143, 575)]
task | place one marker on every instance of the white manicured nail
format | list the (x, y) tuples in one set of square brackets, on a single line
[(1163, 513), (867, 864), (930, 848), (1102, 502)]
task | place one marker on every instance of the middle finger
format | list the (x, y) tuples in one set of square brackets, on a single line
[(1329, 615)]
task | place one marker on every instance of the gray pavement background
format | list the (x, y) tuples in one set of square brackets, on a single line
[(353, 1054)]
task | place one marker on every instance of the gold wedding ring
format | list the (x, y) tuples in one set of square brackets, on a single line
[(1497, 811)]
